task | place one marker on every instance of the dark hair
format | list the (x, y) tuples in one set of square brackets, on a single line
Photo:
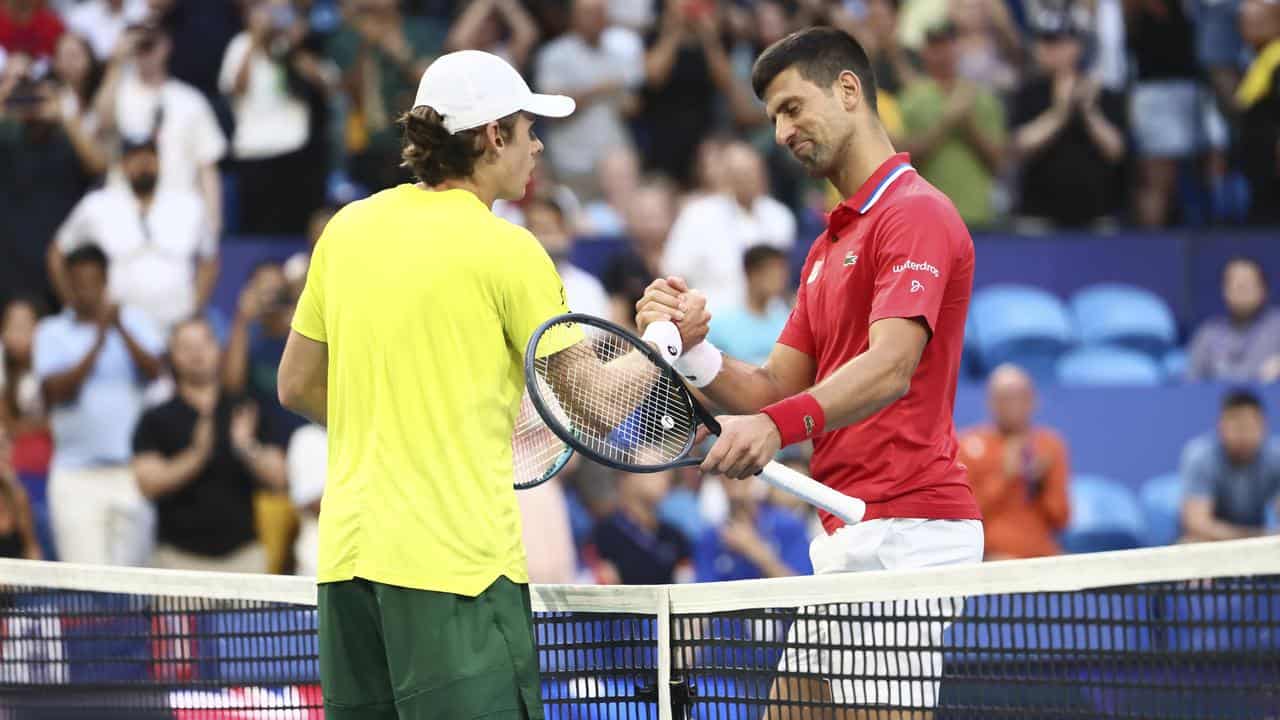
[(820, 54), (433, 155), (87, 254), (758, 255), (1251, 262), (1241, 398)]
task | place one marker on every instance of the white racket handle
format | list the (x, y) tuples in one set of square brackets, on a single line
[(848, 509)]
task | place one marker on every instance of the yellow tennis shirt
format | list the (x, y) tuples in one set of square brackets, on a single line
[(427, 302)]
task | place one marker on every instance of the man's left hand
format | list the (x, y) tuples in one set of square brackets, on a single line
[(746, 444)]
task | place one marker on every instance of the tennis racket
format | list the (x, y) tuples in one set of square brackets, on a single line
[(610, 396), (536, 452)]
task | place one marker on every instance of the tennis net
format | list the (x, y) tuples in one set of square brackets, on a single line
[(1189, 631)]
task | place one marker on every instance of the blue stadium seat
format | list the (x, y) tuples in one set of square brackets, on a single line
[(1162, 505), (1020, 324), (1126, 316), (1175, 363), (1105, 515), (1105, 365), (603, 697), (995, 627), (249, 645), (1224, 615)]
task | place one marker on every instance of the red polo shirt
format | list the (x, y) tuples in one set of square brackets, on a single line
[(37, 37), (896, 249)]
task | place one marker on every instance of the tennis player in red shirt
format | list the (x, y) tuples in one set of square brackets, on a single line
[(866, 367)]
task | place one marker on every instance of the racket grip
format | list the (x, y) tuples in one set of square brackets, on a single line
[(849, 509)]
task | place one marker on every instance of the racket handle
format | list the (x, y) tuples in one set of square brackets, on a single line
[(849, 509)]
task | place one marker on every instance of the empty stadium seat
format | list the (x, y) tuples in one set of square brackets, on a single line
[(1106, 365), (1105, 515), (1020, 324), (1161, 499), (1175, 364), (1125, 316)]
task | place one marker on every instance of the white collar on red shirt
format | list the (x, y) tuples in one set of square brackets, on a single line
[(869, 194)]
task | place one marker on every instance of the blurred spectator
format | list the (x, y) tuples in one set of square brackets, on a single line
[(711, 233), (1258, 102), (48, 157), (307, 463), (1018, 471), (164, 260), (29, 28), (256, 344), (876, 29), (200, 33), (757, 540), (93, 361), (382, 54), (636, 15), (22, 410), (686, 72), (103, 22), (618, 176), (1109, 59), (649, 213), (598, 66), (199, 458), (501, 27), (267, 74), (17, 526), (1069, 133), (1244, 346), (955, 130), (749, 331), (1171, 118), (545, 219), (139, 101), (988, 44), (77, 76), (633, 546), (548, 537), (1220, 48), (1228, 480), (295, 268)]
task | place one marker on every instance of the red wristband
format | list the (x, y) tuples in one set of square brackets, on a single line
[(798, 418)]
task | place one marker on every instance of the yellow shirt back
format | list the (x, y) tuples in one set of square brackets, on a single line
[(426, 301)]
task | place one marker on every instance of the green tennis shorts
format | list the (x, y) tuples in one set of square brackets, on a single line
[(393, 653)]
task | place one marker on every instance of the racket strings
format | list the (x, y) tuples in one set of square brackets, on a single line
[(536, 451), (617, 401)]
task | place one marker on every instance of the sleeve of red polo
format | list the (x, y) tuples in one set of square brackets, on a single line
[(913, 257), (797, 333)]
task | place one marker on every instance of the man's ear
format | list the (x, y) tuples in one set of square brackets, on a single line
[(494, 133)]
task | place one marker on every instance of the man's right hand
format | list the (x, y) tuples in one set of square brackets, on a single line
[(202, 437), (672, 299), (250, 305)]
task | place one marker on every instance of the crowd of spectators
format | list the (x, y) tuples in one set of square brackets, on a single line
[(136, 134)]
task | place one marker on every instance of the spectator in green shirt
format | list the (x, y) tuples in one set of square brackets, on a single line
[(381, 53), (955, 130)]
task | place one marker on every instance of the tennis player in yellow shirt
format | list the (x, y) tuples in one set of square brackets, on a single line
[(408, 343)]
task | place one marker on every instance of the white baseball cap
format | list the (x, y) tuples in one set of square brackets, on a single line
[(470, 88)]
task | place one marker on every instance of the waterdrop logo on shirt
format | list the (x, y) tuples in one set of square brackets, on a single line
[(913, 265)]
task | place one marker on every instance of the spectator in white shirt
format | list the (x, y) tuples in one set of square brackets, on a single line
[(140, 99), (102, 22), (711, 233), (264, 74), (164, 259), (308, 465), (598, 66), (545, 219)]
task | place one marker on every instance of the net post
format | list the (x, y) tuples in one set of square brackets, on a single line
[(664, 653)]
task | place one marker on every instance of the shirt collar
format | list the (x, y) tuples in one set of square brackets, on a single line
[(869, 194)]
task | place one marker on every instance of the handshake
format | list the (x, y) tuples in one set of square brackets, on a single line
[(687, 349)]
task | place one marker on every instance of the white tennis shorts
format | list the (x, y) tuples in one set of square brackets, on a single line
[(879, 653)]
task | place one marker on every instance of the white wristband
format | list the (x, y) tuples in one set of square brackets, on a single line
[(666, 337), (701, 364)]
